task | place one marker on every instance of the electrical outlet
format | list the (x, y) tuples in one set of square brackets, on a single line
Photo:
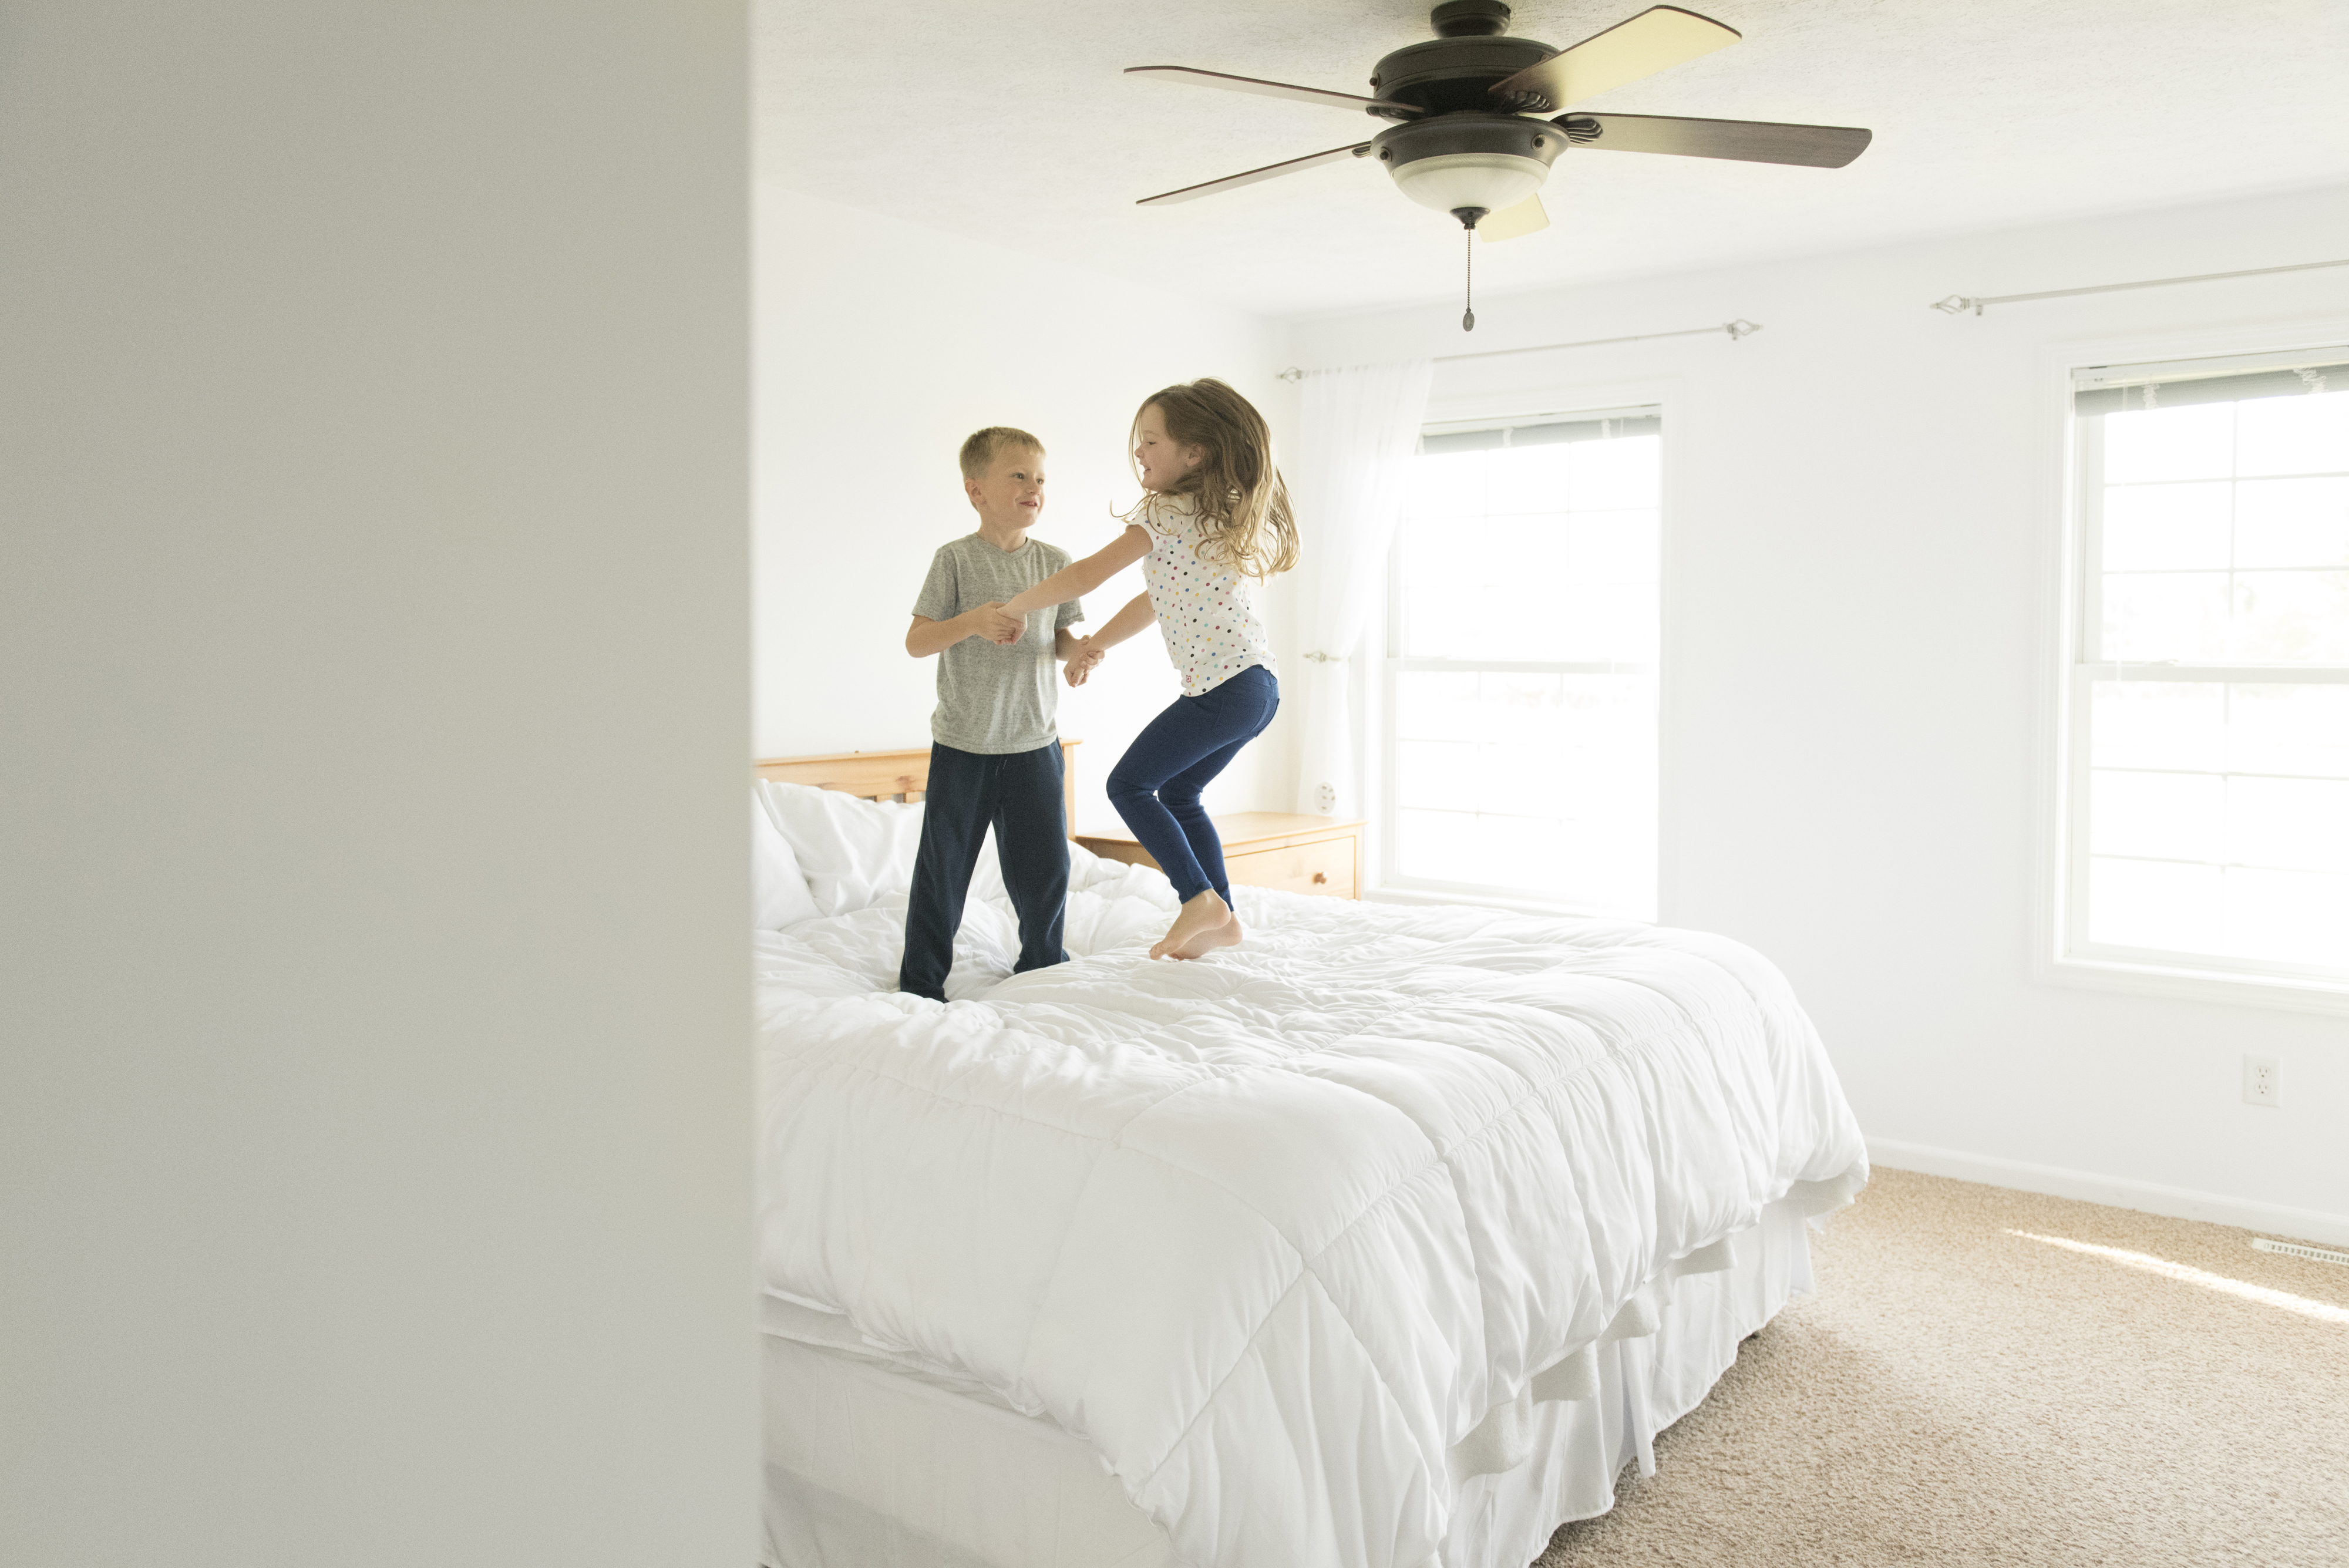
[(2260, 1081)]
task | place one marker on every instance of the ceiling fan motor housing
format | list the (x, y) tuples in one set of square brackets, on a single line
[(1481, 162), (1457, 70)]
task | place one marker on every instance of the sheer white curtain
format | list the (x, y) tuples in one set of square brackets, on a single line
[(1359, 431)]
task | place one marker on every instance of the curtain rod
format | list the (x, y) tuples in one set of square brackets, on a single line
[(1741, 328), (1959, 303)]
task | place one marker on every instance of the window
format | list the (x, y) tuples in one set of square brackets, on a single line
[(1521, 662), (2207, 815)]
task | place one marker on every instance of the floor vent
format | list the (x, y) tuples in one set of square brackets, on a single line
[(2315, 1254)]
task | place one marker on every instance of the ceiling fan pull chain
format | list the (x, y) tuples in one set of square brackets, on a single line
[(1468, 316)]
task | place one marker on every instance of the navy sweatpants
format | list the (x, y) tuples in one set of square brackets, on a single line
[(1019, 796)]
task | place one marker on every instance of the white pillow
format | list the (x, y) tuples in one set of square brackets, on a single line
[(779, 893), (853, 852)]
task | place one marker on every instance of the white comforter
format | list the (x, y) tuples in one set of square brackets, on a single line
[(1277, 1229)]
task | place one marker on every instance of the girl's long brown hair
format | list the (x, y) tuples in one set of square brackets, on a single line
[(1244, 516)]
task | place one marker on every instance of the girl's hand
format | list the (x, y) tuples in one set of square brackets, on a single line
[(998, 626), (1080, 662)]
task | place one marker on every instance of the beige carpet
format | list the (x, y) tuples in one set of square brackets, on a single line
[(1958, 1394)]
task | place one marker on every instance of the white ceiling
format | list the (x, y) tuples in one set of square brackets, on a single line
[(1008, 120)]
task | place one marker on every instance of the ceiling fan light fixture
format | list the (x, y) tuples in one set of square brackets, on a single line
[(1481, 160), (1450, 181)]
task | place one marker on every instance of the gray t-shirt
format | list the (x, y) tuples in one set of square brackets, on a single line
[(995, 699)]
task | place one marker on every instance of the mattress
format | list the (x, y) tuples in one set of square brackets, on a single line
[(871, 1464), (1300, 1240)]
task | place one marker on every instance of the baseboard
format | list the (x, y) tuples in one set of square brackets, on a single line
[(2147, 1196)]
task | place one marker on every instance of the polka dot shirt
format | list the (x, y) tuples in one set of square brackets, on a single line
[(1206, 610)]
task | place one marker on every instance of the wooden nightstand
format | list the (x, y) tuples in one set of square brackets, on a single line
[(1320, 854)]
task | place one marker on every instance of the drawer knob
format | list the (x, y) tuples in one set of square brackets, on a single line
[(1321, 875)]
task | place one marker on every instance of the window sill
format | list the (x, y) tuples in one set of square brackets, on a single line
[(2185, 983)]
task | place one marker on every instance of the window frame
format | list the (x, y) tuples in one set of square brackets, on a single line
[(1385, 826), (2072, 575)]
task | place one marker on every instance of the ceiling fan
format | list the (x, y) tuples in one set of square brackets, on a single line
[(1471, 137)]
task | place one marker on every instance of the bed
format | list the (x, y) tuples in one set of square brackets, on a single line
[(1384, 1239)]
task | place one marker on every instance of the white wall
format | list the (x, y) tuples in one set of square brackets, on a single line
[(880, 346), (372, 707), (1858, 505)]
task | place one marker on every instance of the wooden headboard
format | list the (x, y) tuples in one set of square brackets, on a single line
[(896, 775)]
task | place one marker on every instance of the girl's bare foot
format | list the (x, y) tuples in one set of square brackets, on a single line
[(1227, 935), (1205, 912)]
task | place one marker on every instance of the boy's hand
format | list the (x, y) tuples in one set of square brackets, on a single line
[(1080, 662), (999, 624)]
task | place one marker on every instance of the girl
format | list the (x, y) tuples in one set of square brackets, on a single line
[(1214, 514)]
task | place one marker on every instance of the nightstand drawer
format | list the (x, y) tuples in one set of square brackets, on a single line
[(1326, 867)]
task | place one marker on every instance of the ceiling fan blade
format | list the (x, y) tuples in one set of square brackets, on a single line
[(1749, 140), (1658, 38), (1194, 78), (1527, 217), (1269, 171)]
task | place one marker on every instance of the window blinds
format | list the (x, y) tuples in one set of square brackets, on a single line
[(1544, 431), (2127, 389)]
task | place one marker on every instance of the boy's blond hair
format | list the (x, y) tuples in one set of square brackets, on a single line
[(980, 451)]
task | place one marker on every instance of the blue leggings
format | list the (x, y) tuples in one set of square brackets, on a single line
[(1155, 785)]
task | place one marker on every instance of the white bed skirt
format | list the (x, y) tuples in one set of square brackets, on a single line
[(871, 1466)]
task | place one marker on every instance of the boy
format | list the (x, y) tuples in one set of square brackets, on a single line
[(995, 757)]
